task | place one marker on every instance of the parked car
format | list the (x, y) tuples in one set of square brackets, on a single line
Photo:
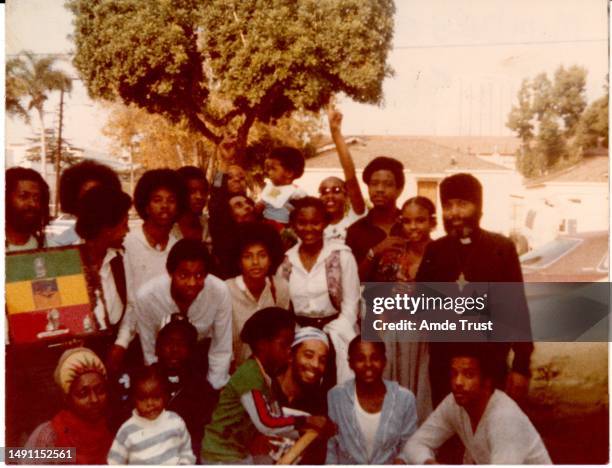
[(65, 221), (581, 257), (59, 225)]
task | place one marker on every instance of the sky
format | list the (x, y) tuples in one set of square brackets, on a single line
[(458, 64)]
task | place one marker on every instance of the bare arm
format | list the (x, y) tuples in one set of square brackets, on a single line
[(346, 161)]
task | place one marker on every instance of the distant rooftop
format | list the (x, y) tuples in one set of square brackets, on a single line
[(418, 154), (590, 169)]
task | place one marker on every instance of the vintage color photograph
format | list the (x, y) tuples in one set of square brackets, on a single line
[(199, 192)]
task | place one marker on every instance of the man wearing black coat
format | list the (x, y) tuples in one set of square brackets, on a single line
[(469, 254)]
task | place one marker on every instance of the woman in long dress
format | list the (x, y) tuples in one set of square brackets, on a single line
[(407, 361)]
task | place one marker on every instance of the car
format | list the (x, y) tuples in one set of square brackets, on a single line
[(581, 257), (59, 225)]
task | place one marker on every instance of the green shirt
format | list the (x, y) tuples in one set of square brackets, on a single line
[(227, 436)]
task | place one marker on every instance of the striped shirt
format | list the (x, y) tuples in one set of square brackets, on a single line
[(162, 441)]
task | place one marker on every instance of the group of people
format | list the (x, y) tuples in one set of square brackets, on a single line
[(229, 319)]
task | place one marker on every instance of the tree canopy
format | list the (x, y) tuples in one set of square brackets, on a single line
[(553, 121), (219, 63)]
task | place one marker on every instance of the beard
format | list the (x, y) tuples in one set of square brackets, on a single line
[(25, 221), (461, 227)]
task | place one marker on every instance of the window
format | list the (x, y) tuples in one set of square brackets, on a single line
[(428, 189)]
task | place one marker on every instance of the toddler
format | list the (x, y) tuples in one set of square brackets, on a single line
[(282, 166), (153, 435)]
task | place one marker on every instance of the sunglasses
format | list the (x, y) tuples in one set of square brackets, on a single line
[(327, 190)]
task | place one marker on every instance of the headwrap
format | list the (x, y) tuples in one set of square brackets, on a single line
[(461, 186), (74, 363), (309, 333)]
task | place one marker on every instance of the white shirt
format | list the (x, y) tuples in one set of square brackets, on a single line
[(244, 305), (309, 291), (368, 423), (504, 435), (278, 195), (31, 244), (338, 231), (114, 305), (163, 440), (210, 313), (142, 263)]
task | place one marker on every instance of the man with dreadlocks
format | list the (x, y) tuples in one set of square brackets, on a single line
[(26, 209)]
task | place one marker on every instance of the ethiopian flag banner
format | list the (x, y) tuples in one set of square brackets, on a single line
[(46, 295)]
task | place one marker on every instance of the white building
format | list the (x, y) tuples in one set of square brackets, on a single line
[(426, 163)]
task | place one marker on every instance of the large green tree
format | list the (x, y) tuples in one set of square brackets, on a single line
[(592, 129), (29, 81), (220, 64), (547, 117)]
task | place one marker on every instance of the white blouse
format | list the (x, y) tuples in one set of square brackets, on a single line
[(309, 291)]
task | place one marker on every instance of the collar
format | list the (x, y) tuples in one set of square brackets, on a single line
[(329, 245), (243, 287), (140, 235), (369, 216), (148, 422), (110, 254)]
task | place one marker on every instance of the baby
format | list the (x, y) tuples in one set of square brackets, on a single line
[(153, 435), (282, 166)]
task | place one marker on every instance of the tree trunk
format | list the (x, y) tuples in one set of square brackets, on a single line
[(43, 146), (180, 154)]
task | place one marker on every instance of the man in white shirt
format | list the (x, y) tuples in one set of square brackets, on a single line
[(189, 290), (492, 427), (159, 198)]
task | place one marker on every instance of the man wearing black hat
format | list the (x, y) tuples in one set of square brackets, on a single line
[(470, 254)]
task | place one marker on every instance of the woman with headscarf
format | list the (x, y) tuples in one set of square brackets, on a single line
[(82, 423)]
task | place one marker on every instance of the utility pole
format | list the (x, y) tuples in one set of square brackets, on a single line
[(58, 156)]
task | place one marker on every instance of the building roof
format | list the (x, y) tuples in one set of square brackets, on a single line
[(479, 145), (418, 154), (590, 169)]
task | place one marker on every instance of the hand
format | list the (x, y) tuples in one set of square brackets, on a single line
[(259, 208), (321, 424), (390, 243), (335, 119), (260, 445), (227, 150), (517, 386)]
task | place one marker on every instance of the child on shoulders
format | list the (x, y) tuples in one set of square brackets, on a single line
[(282, 166)]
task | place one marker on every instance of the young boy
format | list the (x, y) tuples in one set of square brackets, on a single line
[(492, 427), (283, 166), (375, 417), (191, 396), (153, 435)]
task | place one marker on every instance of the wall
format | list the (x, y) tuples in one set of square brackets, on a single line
[(497, 187)]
